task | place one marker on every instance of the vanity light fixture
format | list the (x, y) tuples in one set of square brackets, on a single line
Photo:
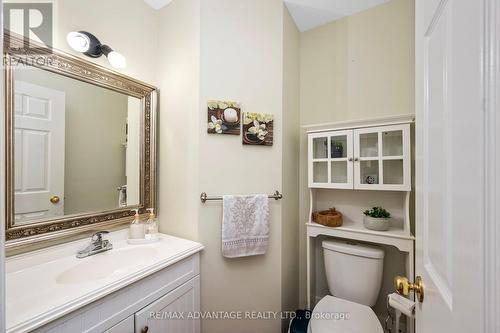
[(88, 44)]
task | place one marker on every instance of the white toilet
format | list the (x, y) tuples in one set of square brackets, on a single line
[(354, 275)]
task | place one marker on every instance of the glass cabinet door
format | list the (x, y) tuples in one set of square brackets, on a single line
[(318, 146), (331, 160), (381, 156), (393, 157), (341, 159), (368, 158)]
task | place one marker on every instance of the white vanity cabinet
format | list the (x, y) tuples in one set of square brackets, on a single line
[(178, 304), (368, 158)]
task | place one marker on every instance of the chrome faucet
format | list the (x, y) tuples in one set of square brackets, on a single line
[(97, 245)]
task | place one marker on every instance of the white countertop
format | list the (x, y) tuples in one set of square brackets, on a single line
[(44, 285)]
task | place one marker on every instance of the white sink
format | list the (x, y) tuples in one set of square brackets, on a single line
[(49, 283), (104, 264)]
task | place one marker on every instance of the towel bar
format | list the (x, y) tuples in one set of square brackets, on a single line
[(204, 197)]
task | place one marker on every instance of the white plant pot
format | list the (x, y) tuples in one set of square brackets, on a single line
[(377, 224)]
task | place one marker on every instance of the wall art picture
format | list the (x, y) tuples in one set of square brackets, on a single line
[(257, 129), (224, 117)]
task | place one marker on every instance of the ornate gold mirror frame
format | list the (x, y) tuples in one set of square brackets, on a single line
[(16, 50)]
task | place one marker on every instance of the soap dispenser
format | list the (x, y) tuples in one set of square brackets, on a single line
[(136, 228), (151, 225)]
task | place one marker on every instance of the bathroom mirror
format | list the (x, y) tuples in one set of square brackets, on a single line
[(80, 144)]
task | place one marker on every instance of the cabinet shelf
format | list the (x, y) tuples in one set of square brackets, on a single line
[(354, 230)]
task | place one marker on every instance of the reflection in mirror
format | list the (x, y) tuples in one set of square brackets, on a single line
[(77, 147)]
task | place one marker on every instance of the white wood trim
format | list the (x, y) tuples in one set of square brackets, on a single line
[(360, 123), (491, 235)]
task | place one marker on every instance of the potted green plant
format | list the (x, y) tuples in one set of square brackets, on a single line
[(376, 218), (337, 149)]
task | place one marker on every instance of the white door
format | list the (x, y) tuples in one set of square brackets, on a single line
[(39, 152), (133, 155), (449, 165)]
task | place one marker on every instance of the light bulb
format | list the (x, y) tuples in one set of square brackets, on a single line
[(117, 60), (78, 41)]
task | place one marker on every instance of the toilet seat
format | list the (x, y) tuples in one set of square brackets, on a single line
[(357, 318)]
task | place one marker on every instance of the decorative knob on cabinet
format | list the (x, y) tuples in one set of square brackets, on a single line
[(145, 329)]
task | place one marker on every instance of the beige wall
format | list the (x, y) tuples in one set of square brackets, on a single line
[(358, 67), (94, 133), (205, 55), (241, 59), (291, 138), (179, 82)]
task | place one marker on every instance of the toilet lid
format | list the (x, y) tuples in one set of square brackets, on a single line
[(333, 314)]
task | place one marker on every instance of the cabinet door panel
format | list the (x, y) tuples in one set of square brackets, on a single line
[(330, 160), (170, 313), (318, 152), (382, 158), (341, 171), (125, 326)]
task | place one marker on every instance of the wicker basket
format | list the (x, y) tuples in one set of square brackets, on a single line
[(329, 218)]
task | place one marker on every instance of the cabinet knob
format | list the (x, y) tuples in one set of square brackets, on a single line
[(350, 159), (356, 159), (145, 329)]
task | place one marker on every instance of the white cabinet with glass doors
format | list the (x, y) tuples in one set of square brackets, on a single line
[(369, 158)]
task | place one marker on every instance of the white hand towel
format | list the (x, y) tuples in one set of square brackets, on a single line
[(245, 225)]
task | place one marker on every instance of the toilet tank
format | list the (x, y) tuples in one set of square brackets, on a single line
[(353, 270)]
